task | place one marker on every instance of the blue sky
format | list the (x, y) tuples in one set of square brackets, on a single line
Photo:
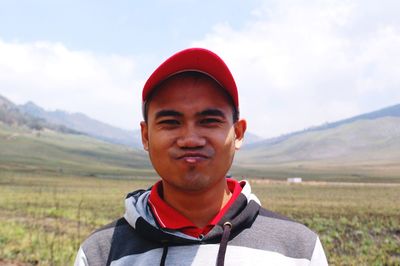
[(297, 63), (125, 27)]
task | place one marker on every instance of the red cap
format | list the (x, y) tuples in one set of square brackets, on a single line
[(194, 59)]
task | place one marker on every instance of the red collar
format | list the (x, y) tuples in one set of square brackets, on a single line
[(168, 217)]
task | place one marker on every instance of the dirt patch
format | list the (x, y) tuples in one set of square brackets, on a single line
[(15, 263)]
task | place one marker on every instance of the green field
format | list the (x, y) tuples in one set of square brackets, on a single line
[(44, 218)]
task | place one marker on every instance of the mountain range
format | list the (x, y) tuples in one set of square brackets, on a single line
[(33, 145), (391, 111), (82, 123), (11, 114), (362, 147)]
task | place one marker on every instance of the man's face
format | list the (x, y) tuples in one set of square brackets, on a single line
[(190, 134)]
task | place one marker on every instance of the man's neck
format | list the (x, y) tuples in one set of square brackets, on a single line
[(200, 207)]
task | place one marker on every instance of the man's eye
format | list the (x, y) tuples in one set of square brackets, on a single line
[(210, 121), (168, 122)]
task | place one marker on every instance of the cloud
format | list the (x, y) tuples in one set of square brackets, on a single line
[(297, 64), (102, 86), (303, 63)]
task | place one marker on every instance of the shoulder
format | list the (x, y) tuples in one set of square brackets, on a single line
[(274, 232), (105, 233), (97, 246), (287, 227), (115, 241)]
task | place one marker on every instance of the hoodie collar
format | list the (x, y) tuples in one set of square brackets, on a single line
[(169, 218), (139, 215)]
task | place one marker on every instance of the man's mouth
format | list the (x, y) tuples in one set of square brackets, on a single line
[(193, 157)]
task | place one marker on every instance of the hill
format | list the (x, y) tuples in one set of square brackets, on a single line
[(82, 123), (391, 111), (358, 148), (29, 144), (10, 114), (44, 152)]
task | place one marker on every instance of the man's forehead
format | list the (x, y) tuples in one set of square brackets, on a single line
[(195, 79), (189, 85)]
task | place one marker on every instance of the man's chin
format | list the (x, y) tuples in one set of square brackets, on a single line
[(195, 182)]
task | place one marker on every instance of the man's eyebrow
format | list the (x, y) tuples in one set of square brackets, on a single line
[(211, 112), (163, 113)]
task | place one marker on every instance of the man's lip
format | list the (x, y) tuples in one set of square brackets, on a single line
[(193, 155), (193, 158)]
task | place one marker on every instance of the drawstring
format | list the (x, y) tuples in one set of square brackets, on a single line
[(164, 255), (222, 246), (224, 243)]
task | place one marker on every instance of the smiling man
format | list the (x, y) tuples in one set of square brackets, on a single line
[(195, 215)]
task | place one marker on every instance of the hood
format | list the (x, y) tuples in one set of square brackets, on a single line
[(240, 216)]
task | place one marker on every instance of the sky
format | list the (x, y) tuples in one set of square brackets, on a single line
[(297, 63)]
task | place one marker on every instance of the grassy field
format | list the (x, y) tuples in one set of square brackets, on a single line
[(43, 219)]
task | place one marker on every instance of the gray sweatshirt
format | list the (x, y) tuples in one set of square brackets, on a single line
[(247, 235)]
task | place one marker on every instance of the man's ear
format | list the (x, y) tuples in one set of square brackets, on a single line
[(240, 129), (145, 135)]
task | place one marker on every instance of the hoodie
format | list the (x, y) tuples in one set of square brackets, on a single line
[(247, 234)]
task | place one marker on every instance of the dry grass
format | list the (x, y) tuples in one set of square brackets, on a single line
[(44, 219)]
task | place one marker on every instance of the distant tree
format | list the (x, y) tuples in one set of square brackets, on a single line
[(35, 125)]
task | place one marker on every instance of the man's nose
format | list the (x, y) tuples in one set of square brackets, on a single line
[(190, 138)]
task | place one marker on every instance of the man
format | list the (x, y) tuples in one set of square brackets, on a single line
[(195, 215)]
